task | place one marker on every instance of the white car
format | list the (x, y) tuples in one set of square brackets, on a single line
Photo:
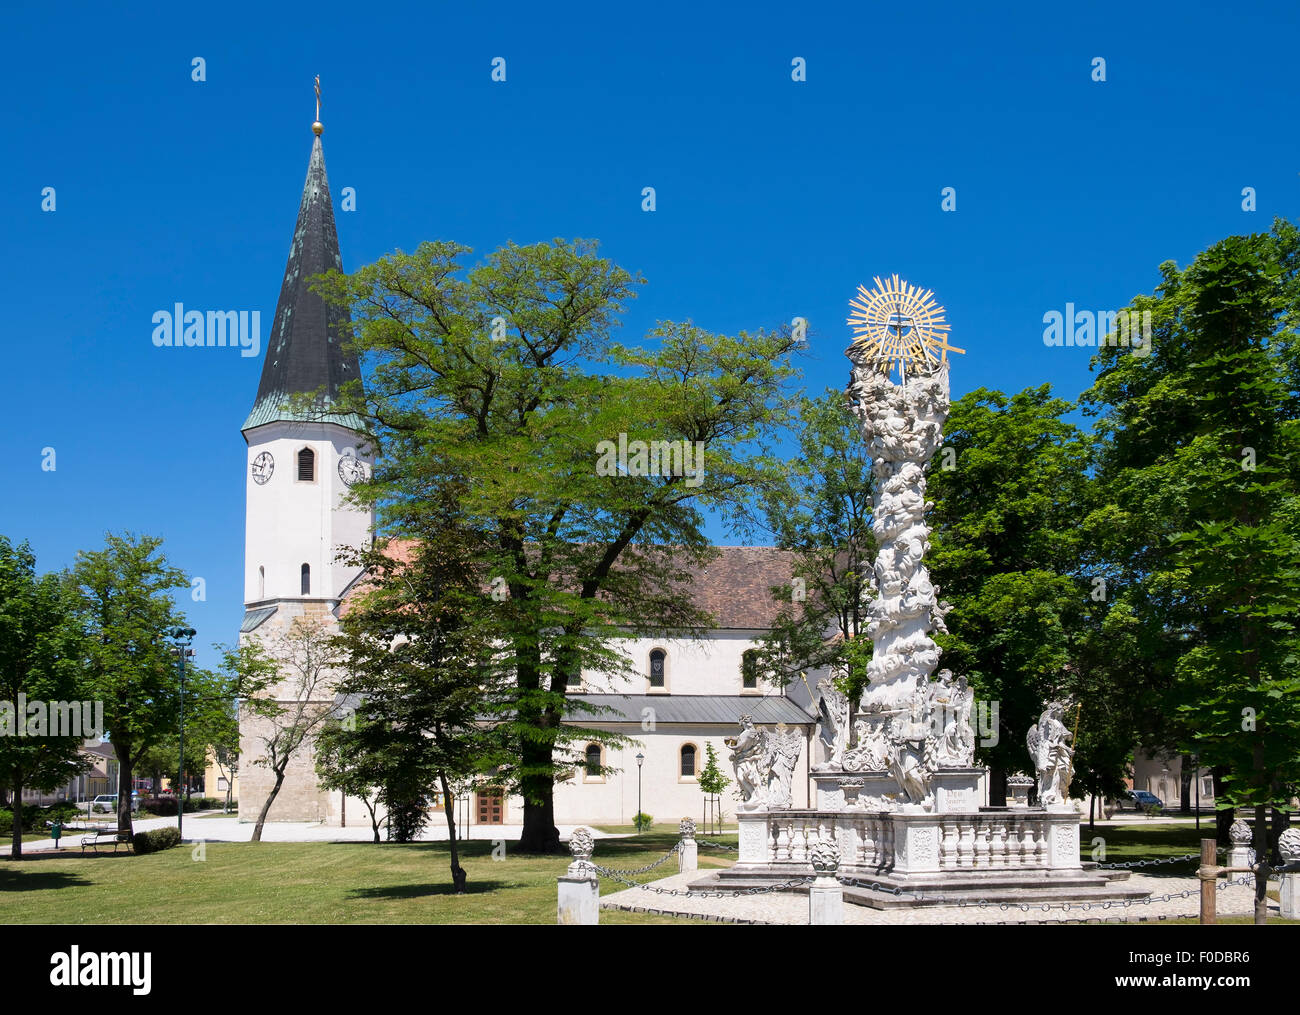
[(107, 803)]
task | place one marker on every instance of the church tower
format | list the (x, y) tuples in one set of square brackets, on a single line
[(302, 460), (303, 455)]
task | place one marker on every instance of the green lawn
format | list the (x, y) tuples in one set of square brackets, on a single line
[(1126, 843), (338, 883), (328, 883)]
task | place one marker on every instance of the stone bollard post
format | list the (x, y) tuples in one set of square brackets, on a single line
[(579, 888), (1239, 853), (688, 853), (1288, 845), (826, 894)]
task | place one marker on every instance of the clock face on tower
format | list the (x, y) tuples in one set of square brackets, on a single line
[(351, 470), (263, 466)]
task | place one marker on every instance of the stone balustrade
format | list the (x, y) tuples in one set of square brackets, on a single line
[(986, 840)]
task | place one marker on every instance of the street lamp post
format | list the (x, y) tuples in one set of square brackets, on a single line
[(182, 637), (640, 759)]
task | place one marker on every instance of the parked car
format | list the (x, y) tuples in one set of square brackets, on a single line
[(1143, 799), (106, 803)]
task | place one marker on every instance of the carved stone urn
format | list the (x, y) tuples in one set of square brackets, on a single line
[(825, 858), (581, 845)]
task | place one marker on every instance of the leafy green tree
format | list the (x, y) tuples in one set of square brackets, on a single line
[(339, 769), (430, 680), (822, 511), (1010, 488), (501, 383), (127, 608), (41, 654), (1200, 468), (711, 781)]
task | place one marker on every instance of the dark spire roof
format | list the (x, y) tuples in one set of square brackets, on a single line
[(305, 351)]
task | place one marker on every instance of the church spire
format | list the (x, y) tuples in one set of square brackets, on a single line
[(305, 351)]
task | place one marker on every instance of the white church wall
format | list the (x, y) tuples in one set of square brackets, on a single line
[(665, 794), (710, 664)]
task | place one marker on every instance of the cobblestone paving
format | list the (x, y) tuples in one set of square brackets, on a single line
[(787, 907)]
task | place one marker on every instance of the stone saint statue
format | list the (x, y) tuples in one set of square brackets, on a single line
[(749, 758), (1052, 755), (832, 725)]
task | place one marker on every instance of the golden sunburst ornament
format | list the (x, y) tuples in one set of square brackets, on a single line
[(899, 324)]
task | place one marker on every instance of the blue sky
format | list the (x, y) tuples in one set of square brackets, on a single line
[(775, 198)]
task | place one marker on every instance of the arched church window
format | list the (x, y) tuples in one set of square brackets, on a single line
[(261, 582), (306, 579), (657, 660), (749, 669), (688, 761), (307, 466), (593, 760)]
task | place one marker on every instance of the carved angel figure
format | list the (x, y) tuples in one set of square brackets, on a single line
[(782, 756), (1052, 755)]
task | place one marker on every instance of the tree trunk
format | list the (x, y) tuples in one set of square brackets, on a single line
[(125, 783), (374, 821), (1092, 812), (16, 853), (540, 834), (1185, 774), (458, 875), (266, 807)]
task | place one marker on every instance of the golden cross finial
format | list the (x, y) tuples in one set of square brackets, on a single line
[(317, 127), (897, 324)]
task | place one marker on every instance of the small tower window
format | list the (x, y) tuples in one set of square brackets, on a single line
[(261, 583), (657, 658), (688, 761), (306, 579), (306, 466)]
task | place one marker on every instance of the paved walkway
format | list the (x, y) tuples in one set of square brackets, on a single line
[(790, 908), (213, 826)]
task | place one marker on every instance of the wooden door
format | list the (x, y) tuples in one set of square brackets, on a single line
[(491, 807)]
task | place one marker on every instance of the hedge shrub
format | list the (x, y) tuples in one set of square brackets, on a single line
[(34, 817), (152, 842), (165, 806)]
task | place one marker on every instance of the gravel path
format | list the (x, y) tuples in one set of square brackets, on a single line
[(787, 907), (213, 826)]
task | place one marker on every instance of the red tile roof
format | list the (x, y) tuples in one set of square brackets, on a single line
[(734, 587)]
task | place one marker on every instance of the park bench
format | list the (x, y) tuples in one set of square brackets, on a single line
[(101, 837)]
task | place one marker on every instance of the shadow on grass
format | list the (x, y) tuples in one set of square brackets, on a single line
[(66, 854), (14, 880), (419, 891)]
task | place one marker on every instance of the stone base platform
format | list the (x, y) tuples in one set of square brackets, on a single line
[(911, 856), (951, 889)]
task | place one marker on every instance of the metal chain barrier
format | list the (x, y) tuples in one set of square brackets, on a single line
[(1132, 864), (650, 866), (625, 877)]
